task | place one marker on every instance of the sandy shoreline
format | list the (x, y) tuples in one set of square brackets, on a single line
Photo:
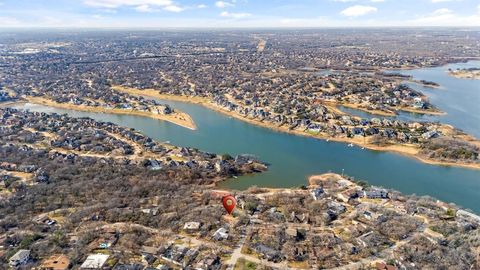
[(462, 74), (178, 118), (413, 110), (404, 149), (11, 103)]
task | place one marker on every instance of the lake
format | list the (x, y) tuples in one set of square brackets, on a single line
[(293, 158)]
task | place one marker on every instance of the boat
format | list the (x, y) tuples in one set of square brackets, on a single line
[(234, 176), (350, 145)]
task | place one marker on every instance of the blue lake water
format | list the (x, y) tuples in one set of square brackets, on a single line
[(294, 158)]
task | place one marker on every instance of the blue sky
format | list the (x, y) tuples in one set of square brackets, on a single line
[(238, 13)]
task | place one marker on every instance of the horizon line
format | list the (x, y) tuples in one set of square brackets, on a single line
[(228, 28)]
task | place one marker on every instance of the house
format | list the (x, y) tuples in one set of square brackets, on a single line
[(134, 266), (159, 267), (41, 176), (418, 103), (56, 262), (175, 254), (376, 121), (376, 193), (210, 262), (430, 134), (148, 258), (317, 192), (154, 165), (358, 131), (95, 261), (268, 253), (21, 257), (296, 234), (190, 256), (149, 254), (467, 215), (192, 226), (220, 234), (150, 211), (367, 215)]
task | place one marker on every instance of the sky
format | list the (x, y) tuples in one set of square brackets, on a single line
[(237, 13)]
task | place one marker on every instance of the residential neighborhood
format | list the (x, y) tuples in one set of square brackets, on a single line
[(92, 175)]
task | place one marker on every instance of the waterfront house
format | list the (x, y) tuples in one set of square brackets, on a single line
[(467, 215), (376, 193), (317, 192), (418, 103), (430, 134)]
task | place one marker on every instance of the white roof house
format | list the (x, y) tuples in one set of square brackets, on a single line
[(21, 257), (220, 234), (192, 226), (95, 261)]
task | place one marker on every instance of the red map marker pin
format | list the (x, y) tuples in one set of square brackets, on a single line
[(229, 203)]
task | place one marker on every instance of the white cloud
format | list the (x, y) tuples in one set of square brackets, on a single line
[(224, 4), (9, 22), (442, 11), (344, 1), (144, 8), (358, 10), (441, 1), (235, 15), (174, 8), (377, 1), (202, 6), (445, 17), (120, 3), (138, 5)]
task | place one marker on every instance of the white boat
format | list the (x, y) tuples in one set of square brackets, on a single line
[(350, 145), (235, 176)]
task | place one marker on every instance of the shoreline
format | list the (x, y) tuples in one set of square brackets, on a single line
[(11, 103), (178, 118), (413, 110), (464, 75), (406, 150)]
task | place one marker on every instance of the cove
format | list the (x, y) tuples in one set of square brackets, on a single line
[(293, 158)]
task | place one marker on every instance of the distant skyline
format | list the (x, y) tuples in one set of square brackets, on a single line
[(237, 13)]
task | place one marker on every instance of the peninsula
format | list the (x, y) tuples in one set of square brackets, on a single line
[(160, 112), (469, 73)]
